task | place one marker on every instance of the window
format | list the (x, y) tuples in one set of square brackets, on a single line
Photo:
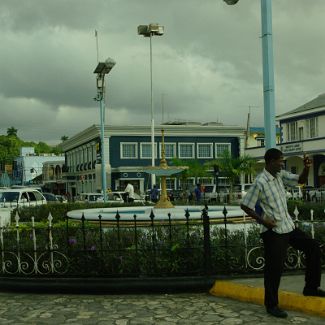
[(186, 150), (145, 150), (170, 183), (221, 148), (260, 142), (292, 131), (206, 180), (312, 127), (301, 133), (204, 150), (129, 150), (170, 150), (187, 183)]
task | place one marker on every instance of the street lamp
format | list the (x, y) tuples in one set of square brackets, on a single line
[(149, 31), (216, 177), (101, 70), (268, 72)]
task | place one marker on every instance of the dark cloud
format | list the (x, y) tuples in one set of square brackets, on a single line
[(208, 64)]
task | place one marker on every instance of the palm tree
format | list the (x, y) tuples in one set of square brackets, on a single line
[(234, 167), (64, 138), (195, 169), (12, 131)]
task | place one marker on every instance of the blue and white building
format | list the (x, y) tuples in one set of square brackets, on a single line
[(127, 151)]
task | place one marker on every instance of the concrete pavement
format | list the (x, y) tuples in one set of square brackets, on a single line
[(154, 309)]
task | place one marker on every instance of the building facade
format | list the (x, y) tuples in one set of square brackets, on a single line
[(127, 151), (29, 166), (301, 133)]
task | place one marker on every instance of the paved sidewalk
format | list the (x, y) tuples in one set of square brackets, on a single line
[(155, 309)]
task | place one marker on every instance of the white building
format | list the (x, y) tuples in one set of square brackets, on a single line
[(29, 165), (302, 133)]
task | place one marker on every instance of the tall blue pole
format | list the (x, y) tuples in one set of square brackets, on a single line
[(102, 133), (268, 75)]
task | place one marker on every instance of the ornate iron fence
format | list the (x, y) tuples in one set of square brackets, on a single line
[(137, 248)]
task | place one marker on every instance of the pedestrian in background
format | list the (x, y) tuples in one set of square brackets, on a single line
[(129, 190), (197, 193), (154, 193)]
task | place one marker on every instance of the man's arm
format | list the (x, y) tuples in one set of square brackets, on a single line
[(251, 213), (303, 177)]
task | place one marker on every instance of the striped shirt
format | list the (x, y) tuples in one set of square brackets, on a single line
[(271, 194)]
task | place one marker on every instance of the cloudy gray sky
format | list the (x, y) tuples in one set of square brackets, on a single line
[(206, 67)]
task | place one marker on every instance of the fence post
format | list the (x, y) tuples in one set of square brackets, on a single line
[(206, 241), (153, 240), (136, 244), (225, 212)]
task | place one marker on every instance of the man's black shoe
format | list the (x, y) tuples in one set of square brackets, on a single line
[(276, 312), (314, 292)]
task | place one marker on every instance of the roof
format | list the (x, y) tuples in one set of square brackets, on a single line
[(317, 102), (261, 130)]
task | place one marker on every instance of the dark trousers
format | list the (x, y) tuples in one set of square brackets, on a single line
[(275, 252)]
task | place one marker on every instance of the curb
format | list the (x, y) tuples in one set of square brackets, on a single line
[(287, 300), (106, 285)]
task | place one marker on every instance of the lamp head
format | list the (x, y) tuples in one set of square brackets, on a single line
[(105, 67), (151, 29), (230, 2)]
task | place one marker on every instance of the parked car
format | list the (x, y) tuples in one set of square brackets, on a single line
[(120, 196), (90, 197), (294, 193), (62, 198), (317, 194), (98, 197), (147, 198), (21, 197), (210, 192), (306, 192), (51, 198)]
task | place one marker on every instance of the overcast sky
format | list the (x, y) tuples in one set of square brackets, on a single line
[(206, 67)]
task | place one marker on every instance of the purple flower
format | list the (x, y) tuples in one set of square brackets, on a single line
[(72, 241)]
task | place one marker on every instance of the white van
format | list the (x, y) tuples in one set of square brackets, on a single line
[(12, 198), (98, 198)]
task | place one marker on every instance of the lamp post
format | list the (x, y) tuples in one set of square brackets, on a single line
[(216, 179), (149, 31), (101, 70), (268, 72)]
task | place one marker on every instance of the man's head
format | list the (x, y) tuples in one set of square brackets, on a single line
[(273, 160)]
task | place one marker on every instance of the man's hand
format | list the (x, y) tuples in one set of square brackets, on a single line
[(269, 223), (307, 161)]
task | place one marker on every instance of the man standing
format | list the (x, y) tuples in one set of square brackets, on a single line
[(278, 230), (197, 192), (129, 190), (154, 193)]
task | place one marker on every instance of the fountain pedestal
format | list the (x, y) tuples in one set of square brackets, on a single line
[(163, 170)]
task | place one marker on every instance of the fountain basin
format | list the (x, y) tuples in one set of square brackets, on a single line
[(143, 213)]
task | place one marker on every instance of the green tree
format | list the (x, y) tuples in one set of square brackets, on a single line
[(12, 132), (234, 167), (64, 138), (195, 169)]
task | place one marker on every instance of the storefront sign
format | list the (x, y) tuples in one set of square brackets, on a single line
[(292, 148)]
